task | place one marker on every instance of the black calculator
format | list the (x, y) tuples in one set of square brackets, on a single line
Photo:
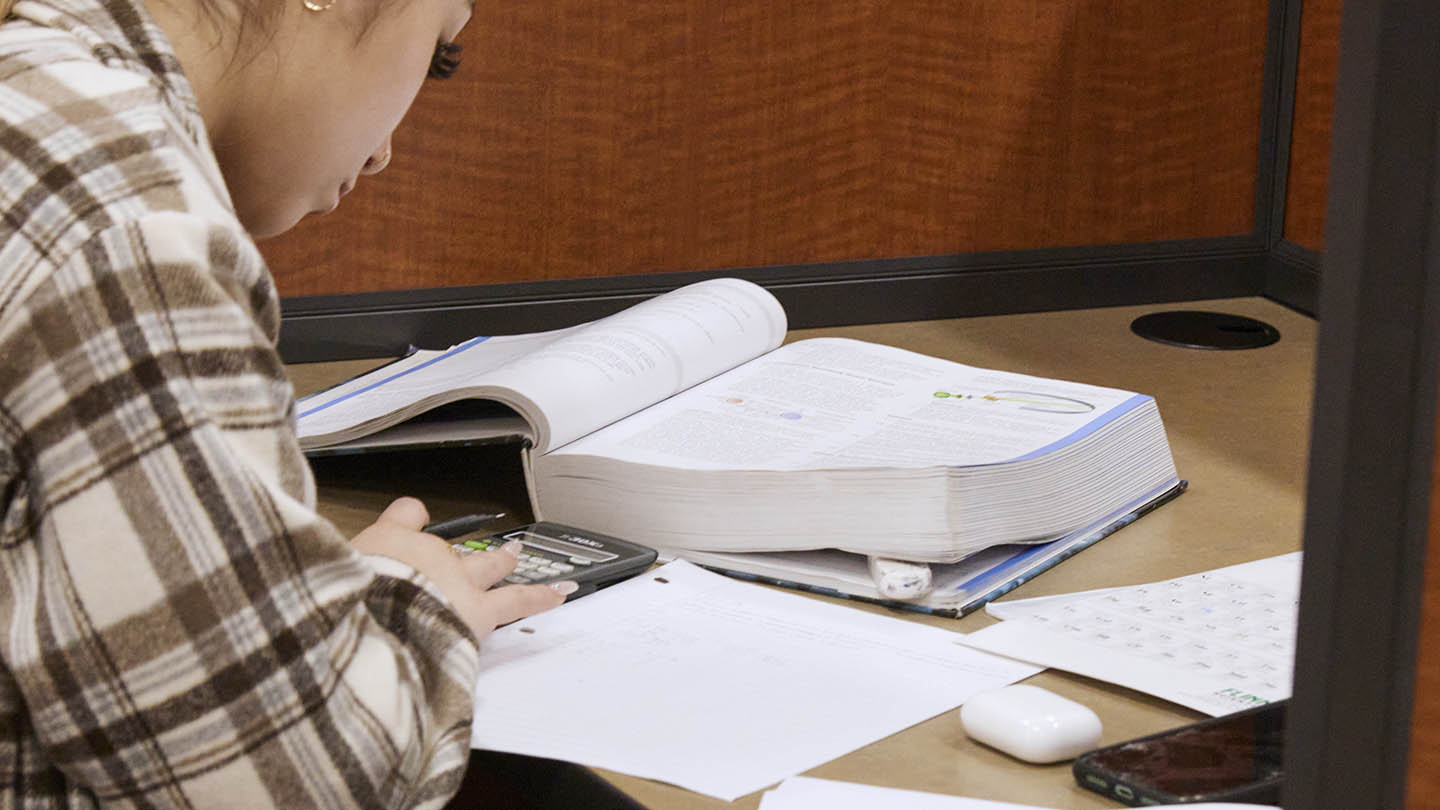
[(554, 552)]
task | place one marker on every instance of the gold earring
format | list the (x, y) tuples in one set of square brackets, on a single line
[(323, 5)]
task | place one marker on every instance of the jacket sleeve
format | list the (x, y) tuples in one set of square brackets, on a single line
[(183, 629)]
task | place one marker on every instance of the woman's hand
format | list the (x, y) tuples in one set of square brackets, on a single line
[(466, 580)]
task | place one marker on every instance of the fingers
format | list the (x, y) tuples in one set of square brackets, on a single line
[(513, 602), (467, 580), (406, 512), (486, 568), (490, 606)]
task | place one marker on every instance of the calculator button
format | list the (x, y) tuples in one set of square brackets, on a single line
[(564, 568), (536, 576), (579, 561), (516, 579)]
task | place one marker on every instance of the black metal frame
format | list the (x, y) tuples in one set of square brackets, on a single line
[(1373, 429)]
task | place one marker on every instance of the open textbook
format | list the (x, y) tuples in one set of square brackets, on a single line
[(683, 423)]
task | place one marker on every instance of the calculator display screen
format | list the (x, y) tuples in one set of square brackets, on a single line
[(556, 545)]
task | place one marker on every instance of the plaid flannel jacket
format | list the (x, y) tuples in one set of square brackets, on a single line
[(178, 628)]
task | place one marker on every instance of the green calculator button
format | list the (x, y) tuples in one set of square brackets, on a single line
[(476, 544)]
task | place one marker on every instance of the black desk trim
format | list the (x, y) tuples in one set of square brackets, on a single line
[(338, 327)]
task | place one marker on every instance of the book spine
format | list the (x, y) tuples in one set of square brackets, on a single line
[(971, 605)]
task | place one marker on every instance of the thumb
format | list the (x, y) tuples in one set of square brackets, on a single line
[(406, 513)]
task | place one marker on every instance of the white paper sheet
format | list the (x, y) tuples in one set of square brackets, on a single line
[(1217, 642), (805, 793), (718, 686)]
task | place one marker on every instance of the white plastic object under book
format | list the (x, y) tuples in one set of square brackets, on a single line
[(900, 579)]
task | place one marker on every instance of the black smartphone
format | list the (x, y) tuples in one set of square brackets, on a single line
[(1233, 758), (554, 552)]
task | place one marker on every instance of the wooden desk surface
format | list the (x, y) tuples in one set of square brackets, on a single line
[(1239, 426)]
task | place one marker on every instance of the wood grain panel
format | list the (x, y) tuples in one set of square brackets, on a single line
[(1423, 782), (584, 139), (1310, 134)]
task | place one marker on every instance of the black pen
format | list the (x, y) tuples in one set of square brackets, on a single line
[(454, 527)]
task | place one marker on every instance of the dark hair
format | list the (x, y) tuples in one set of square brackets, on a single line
[(253, 17)]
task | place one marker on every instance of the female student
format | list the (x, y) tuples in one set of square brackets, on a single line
[(178, 627)]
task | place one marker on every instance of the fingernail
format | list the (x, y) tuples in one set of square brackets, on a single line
[(565, 587), (514, 547)]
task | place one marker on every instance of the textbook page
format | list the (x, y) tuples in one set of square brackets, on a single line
[(569, 382), (714, 685), (381, 397), (830, 403)]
